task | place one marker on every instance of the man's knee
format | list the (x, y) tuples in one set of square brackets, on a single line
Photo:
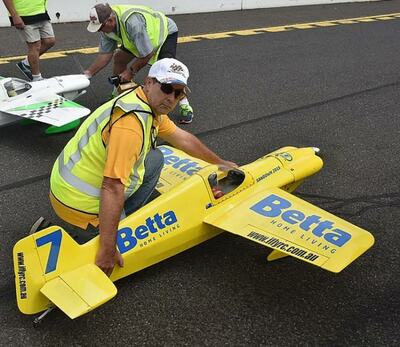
[(154, 160), (48, 42)]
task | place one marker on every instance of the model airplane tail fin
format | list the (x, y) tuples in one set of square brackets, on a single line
[(52, 269), (292, 226)]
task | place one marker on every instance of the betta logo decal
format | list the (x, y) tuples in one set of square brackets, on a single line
[(274, 206), (186, 166), (128, 238)]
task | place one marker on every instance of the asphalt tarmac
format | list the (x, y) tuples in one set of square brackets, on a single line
[(335, 87)]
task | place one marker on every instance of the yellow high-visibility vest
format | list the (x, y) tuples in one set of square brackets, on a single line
[(30, 7), (156, 26), (77, 174)]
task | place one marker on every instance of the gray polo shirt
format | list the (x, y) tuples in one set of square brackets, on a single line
[(136, 31)]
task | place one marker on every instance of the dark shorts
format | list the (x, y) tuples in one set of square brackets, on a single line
[(168, 49)]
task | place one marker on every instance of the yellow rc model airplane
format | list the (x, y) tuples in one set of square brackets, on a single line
[(197, 202)]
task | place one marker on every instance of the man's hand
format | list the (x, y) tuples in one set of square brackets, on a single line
[(18, 22), (226, 165), (106, 260), (88, 74), (126, 76)]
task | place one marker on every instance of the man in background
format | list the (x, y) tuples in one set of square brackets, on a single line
[(143, 36), (33, 22)]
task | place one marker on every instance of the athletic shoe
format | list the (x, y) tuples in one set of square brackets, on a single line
[(25, 69), (185, 114)]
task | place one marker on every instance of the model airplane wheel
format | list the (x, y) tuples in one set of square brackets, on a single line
[(40, 224), (36, 322)]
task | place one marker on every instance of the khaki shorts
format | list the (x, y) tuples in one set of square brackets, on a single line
[(35, 32)]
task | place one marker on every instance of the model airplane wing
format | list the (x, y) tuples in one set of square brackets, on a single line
[(178, 167), (292, 226), (44, 107)]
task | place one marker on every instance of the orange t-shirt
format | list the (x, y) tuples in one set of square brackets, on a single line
[(123, 145)]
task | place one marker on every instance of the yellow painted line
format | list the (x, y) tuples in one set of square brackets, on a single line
[(186, 39), (228, 34), (57, 54), (90, 50), (246, 33), (276, 29), (346, 21), (303, 26), (325, 24), (368, 20), (384, 18), (218, 35)]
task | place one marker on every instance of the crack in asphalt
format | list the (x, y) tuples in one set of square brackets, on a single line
[(24, 182)]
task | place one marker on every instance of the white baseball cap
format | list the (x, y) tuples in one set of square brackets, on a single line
[(170, 71), (98, 16)]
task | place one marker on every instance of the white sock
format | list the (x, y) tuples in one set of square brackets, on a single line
[(37, 77), (26, 62)]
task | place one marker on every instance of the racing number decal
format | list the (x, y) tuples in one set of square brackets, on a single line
[(55, 240)]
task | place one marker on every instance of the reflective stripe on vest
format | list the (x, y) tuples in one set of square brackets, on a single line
[(156, 23)]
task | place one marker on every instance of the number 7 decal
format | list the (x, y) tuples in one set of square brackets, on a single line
[(55, 239)]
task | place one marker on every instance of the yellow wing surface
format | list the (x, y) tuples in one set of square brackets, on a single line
[(51, 268), (178, 167), (292, 226)]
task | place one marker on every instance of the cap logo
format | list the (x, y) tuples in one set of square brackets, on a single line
[(175, 68), (93, 18)]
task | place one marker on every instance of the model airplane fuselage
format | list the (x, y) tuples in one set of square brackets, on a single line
[(197, 202), (46, 101)]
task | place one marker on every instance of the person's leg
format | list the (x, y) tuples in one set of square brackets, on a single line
[(168, 49), (153, 165), (47, 36), (31, 35), (33, 56)]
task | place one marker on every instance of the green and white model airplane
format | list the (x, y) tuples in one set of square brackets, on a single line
[(47, 101)]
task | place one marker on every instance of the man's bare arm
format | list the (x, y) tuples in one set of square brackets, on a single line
[(17, 20), (138, 64), (100, 62), (111, 205), (193, 146)]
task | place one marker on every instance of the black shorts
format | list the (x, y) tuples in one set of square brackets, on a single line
[(168, 49)]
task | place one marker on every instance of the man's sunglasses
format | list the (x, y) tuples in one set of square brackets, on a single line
[(169, 89)]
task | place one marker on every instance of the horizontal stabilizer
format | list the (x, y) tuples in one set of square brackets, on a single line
[(79, 291), (289, 225)]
